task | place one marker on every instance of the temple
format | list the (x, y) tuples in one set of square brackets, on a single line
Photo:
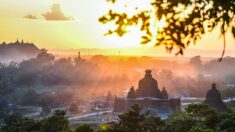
[(214, 100), (149, 97)]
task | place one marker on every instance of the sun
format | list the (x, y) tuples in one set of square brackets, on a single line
[(133, 36), (131, 39)]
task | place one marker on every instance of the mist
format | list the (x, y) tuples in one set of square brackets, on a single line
[(62, 80)]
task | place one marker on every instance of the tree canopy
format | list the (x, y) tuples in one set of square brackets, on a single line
[(185, 21), (195, 118)]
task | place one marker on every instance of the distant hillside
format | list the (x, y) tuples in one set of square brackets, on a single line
[(17, 51)]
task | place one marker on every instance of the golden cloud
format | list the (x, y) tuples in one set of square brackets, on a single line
[(30, 16), (56, 14)]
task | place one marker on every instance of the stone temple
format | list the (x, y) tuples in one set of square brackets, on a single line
[(149, 97), (214, 100)]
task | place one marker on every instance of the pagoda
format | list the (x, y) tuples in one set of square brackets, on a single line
[(148, 96), (148, 86), (214, 100)]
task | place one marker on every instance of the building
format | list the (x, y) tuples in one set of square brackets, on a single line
[(109, 99), (149, 97), (214, 100)]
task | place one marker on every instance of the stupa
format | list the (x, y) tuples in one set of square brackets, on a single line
[(214, 100), (148, 86), (148, 96)]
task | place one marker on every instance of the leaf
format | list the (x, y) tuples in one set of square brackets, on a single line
[(145, 39), (233, 31), (108, 33), (112, 1), (183, 28)]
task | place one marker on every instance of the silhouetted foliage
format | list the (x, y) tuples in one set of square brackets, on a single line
[(17, 123), (186, 21), (31, 98), (56, 123), (84, 128), (136, 121), (204, 114), (45, 81), (228, 93), (3, 109), (227, 122), (46, 110), (195, 118), (132, 120)]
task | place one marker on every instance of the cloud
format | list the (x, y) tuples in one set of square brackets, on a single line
[(56, 14), (30, 16)]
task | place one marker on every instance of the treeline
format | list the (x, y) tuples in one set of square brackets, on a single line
[(195, 118), (194, 77), (45, 70), (31, 82), (46, 81)]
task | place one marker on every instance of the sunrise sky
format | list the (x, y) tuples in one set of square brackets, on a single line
[(73, 24)]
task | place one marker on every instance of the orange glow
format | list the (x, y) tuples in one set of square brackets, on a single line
[(84, 31)]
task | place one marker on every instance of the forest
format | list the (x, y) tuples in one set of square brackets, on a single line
[(195, 118)]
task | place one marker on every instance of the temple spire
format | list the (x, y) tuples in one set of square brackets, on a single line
[(164, 93), (148, 73), (17, 41), (79, 55), (131, 93)]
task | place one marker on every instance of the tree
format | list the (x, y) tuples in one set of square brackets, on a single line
[(180, 122), (154, 124), (44, 57), (4, 110), (46, 103), (17, 123), (197, 117), (185, 21), (45, 110), (193, 119), (84, 128), (30, 97), (204, 114), (136, 121), (131, 121), (196, 62), (56, 123), (227, 122), (200, 129)]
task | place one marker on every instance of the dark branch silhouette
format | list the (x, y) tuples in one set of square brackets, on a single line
[(186, 21)]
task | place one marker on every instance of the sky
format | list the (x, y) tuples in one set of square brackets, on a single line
[(73, 24)]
